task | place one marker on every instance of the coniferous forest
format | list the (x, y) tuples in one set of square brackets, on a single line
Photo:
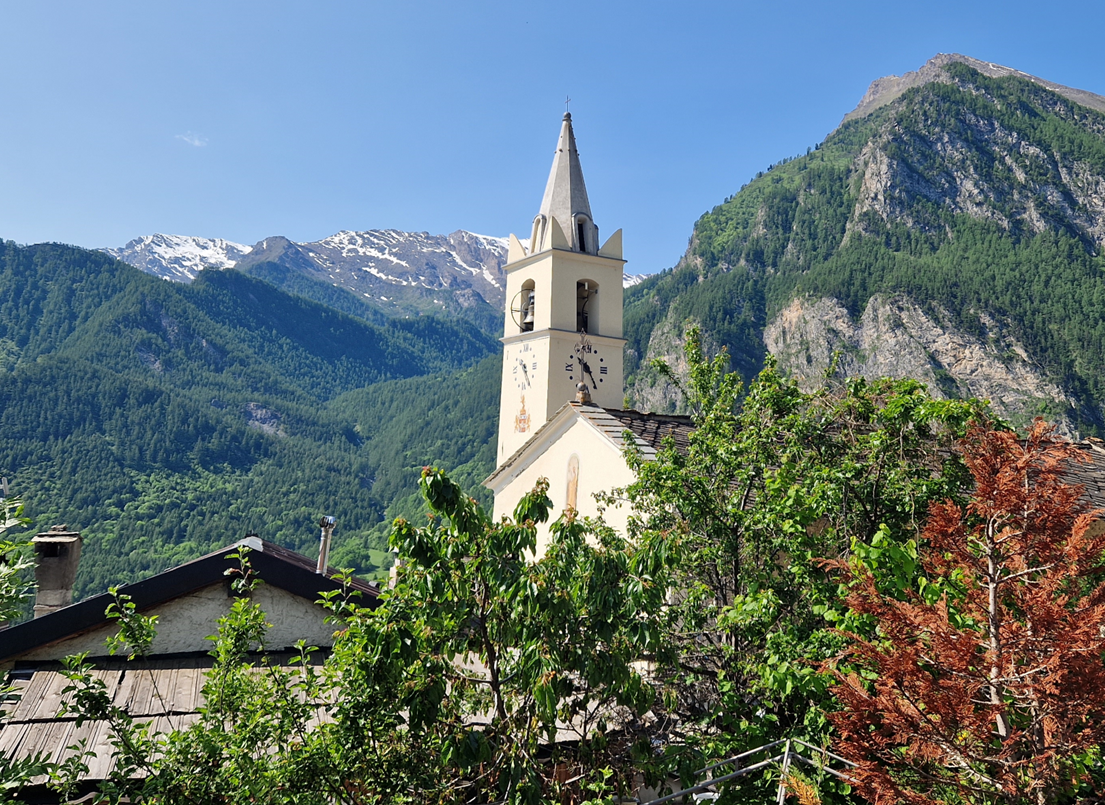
[(164, 421)]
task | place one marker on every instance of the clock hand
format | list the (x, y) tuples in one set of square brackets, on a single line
[(587, 368)]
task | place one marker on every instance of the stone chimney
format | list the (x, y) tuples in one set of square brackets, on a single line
[(57, 554)]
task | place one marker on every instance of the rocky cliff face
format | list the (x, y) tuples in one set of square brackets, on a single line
[(982, 167), (649, 389), (896, 338)]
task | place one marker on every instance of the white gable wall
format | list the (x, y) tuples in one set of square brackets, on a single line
[(599, 466), (184, 623)]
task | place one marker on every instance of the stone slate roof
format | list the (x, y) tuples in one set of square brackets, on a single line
[(1090, 474), (653, 429), (648, 429)]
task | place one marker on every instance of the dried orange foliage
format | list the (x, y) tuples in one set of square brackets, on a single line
[(805, 792), (995, 692)]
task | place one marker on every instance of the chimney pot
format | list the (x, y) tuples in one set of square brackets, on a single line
[(57, 555)]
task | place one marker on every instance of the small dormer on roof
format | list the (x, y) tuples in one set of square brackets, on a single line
[(564, 220)]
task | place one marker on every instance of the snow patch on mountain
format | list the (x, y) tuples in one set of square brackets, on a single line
[(376, 264), (179, 257)]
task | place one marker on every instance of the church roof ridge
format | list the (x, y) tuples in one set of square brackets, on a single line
[(633, 413)]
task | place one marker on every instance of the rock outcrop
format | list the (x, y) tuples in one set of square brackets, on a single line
[(894, 337)]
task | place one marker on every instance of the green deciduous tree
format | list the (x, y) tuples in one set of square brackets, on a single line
[(15, 565), (770, 486), (483, 676), (15, 587)]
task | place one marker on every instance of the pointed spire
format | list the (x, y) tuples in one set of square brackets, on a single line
[(565, 200)]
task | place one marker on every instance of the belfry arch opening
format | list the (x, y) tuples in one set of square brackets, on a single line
[(528, 303), (587, 309), (583, 234), (523, 307)]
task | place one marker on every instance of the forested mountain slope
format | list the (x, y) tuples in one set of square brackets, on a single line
[(165, 420), (953, 234)]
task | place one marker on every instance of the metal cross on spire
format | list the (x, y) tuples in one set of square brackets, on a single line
[(567, 101)]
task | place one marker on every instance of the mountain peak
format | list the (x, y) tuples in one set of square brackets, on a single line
[(179, 257), (885, 90)]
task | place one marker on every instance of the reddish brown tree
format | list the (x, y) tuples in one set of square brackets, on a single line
[(995, 690)]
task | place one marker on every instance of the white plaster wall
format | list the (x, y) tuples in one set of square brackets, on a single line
[(601, 468), (184, 623), (535, 351), (550, 385), (555, 273)]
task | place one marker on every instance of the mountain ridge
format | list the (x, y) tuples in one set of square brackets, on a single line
[(398, 273), (886, 89), (956, 226)]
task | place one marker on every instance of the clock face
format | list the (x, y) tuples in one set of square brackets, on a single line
[(521, 374), (523, 367), (586, 363)]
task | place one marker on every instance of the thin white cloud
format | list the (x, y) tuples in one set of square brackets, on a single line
[(196, 140)]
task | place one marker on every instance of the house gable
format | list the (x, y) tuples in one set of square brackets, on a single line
[(188, 600)]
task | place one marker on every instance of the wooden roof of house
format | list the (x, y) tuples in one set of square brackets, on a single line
[(167, 691)]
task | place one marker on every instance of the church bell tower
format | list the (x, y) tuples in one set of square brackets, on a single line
[(563, 323)]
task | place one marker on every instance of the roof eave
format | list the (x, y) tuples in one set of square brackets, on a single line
[(266, 560)]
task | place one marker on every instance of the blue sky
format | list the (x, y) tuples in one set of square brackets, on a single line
[(243, 120)]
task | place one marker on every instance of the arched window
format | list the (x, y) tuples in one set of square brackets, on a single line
[(523, 307), (586, 306), (583, 227)]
